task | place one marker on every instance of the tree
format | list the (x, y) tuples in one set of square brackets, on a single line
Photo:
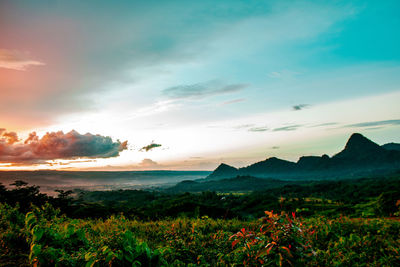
[(386, 203)]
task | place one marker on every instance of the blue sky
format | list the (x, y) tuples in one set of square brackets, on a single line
[(210, 81)]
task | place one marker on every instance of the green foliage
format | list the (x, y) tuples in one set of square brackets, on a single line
[(355, 241), (206, 229), (46, 238), (58, 240), (387, 202), (13, 245)]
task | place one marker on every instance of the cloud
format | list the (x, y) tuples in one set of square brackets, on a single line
[(57, 145), (148, 163), (275, 74), (283, 74), (374, 124), (234, 101), (287, 128), (150, 147), (16, 60), (157, 107), (258, 129), (323, 124), (145, 164), (9, 137), (300, 107), (243, 126), (202, 90), (254, 128), (133, 48)]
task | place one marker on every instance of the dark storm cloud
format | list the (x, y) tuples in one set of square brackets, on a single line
[(57, 145), (202, 90)]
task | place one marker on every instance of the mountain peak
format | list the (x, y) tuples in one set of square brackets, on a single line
[(224, 166), (223, 171), (357, 137), (359, 144), (357, 140)]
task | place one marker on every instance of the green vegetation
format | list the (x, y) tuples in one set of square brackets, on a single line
[(347, 223)]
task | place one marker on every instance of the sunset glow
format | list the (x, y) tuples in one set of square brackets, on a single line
[(185, 86)]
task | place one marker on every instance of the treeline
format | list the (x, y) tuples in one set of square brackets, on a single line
[(357, 198), (24, 196)]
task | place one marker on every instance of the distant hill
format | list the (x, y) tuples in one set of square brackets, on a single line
[(223, 171), (360, 157), (237, 184), (272, 165), (392, 146)]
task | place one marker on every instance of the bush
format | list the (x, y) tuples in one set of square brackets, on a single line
[(278, 240), (13, 245), (60, 241)]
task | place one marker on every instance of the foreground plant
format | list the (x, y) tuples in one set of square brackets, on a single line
[(59, 241), (278, 240)]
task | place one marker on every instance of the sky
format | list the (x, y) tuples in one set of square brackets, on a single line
[(187, 85)]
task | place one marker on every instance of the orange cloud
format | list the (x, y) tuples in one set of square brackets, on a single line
[(56, 145), (148, 163), (10, 137), (16, 60)]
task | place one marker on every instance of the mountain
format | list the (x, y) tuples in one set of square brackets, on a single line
[(308, 163), (364, 156), (272, 166), (360, 157), (223, 171), (392, 146), (359, 148)]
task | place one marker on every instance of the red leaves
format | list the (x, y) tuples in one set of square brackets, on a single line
[(278, 238), (235, 242), (287, 250)]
